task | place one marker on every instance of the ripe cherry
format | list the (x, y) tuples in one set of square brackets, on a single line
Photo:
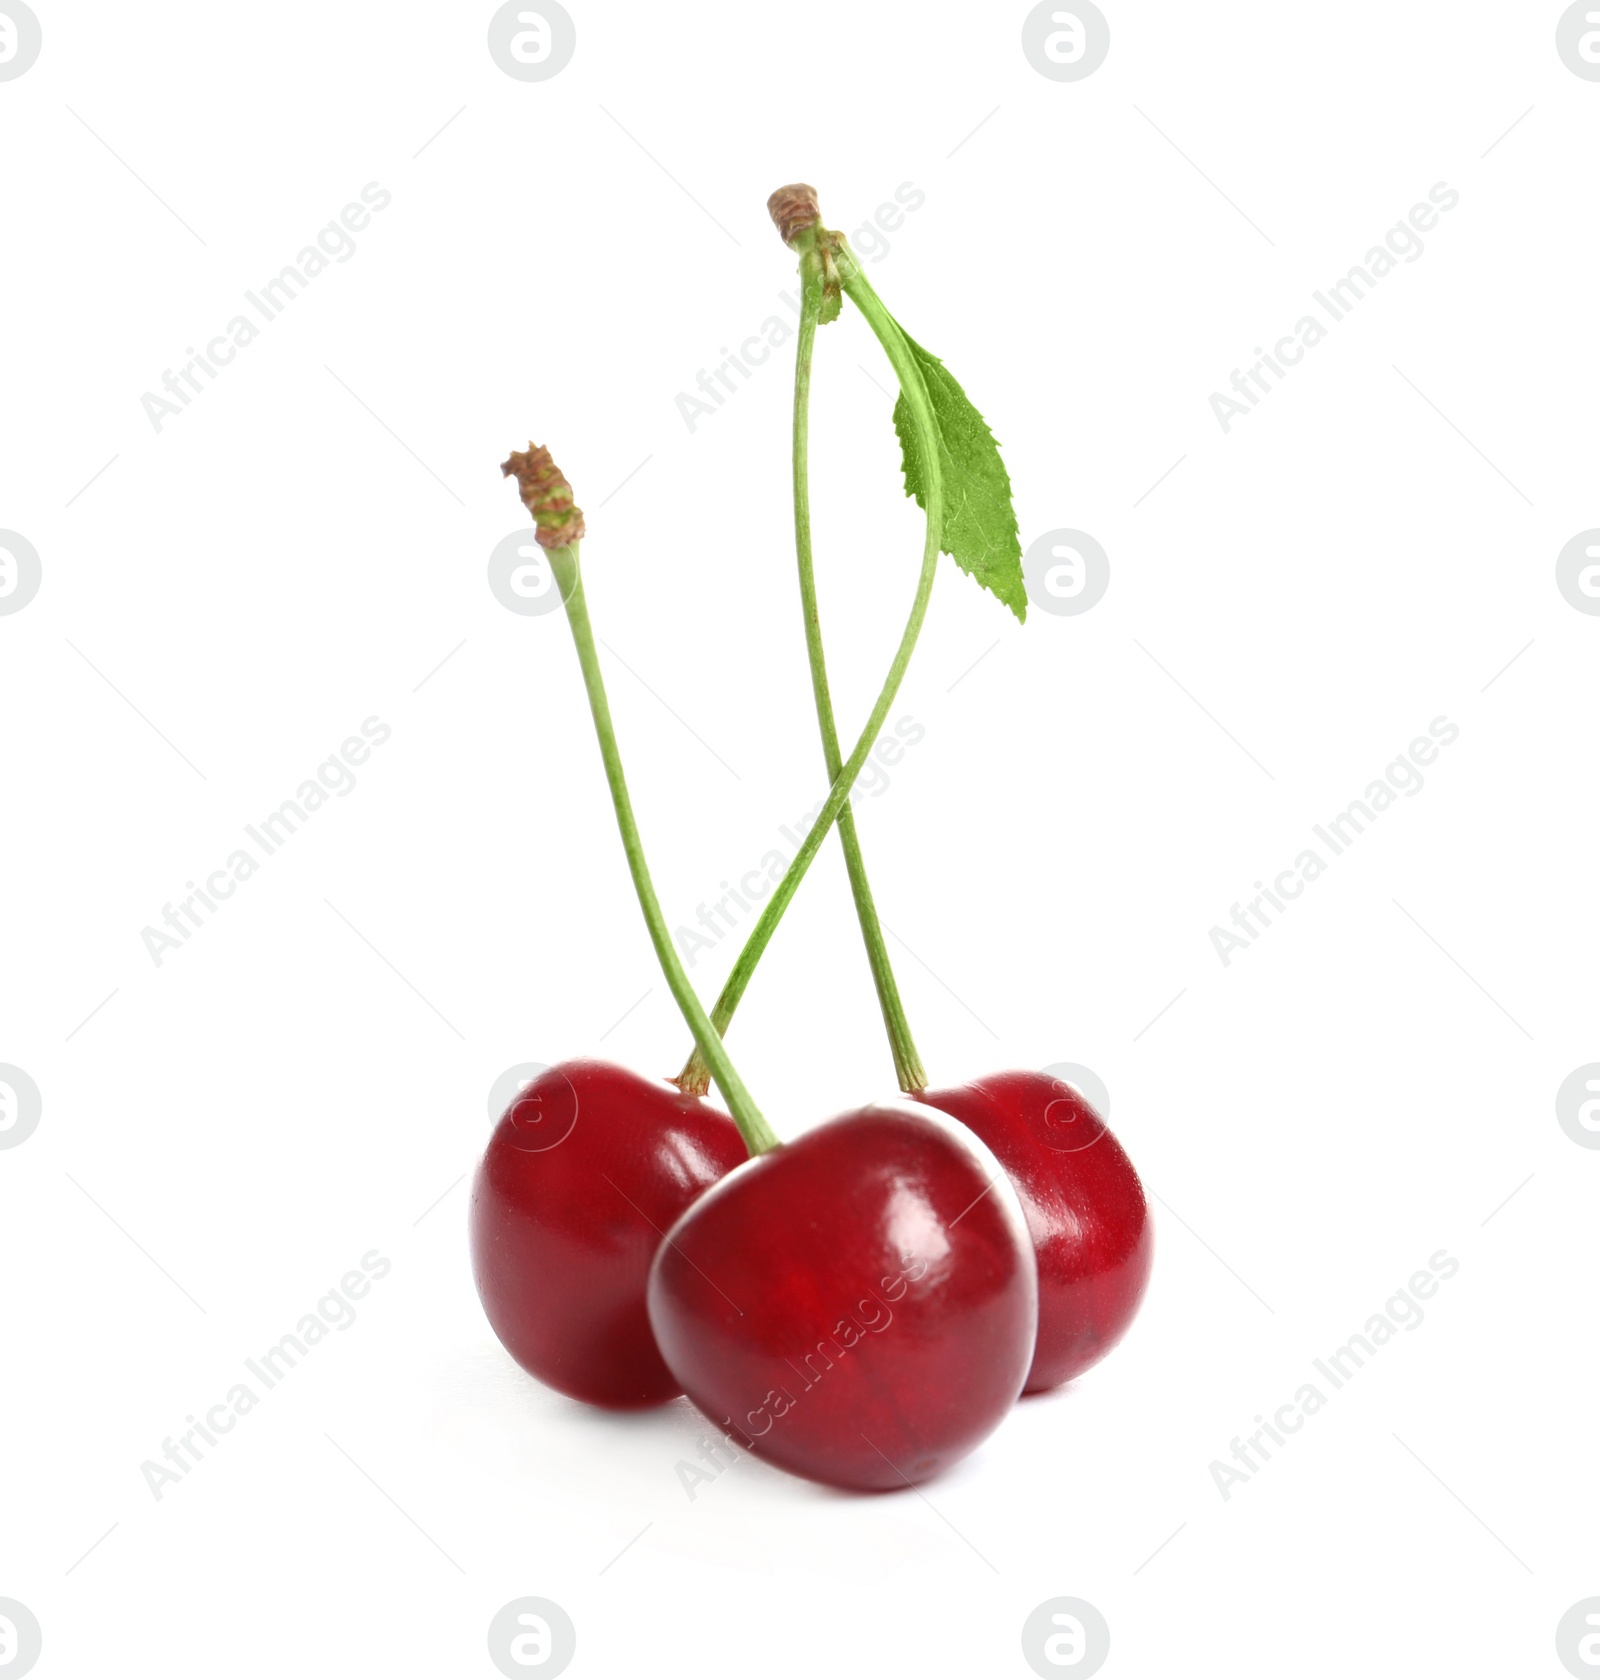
[(1084, 1205), (584, 1171), (857, 1306)]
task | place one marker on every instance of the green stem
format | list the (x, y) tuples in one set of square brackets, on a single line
[(699, 1066), (757, 1134), (907, 1063)]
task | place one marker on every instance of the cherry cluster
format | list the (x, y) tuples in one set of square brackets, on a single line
[(861, 1306), (864, 1304)]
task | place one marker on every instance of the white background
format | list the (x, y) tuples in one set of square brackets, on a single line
[(1362, 1087)]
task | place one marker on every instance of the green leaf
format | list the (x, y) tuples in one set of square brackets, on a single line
[(979, 530)]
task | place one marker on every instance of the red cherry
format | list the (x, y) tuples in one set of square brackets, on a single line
[(1084, 1205), (857, 1306), (584, 1171)]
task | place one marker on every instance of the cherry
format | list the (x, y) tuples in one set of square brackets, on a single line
[(857, 1306), (1084, 1206), (582, 1174)]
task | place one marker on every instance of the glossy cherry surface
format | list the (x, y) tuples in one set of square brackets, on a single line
[(584, 1171), (857, 1306), (1084, 1205)]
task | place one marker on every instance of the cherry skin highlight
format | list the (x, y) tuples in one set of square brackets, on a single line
[(858, 1306), (1084, 1205), (582, 1174)]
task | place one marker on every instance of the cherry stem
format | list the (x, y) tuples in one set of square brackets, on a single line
[(753, 1128), (697, 1071), (907, 1063)]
